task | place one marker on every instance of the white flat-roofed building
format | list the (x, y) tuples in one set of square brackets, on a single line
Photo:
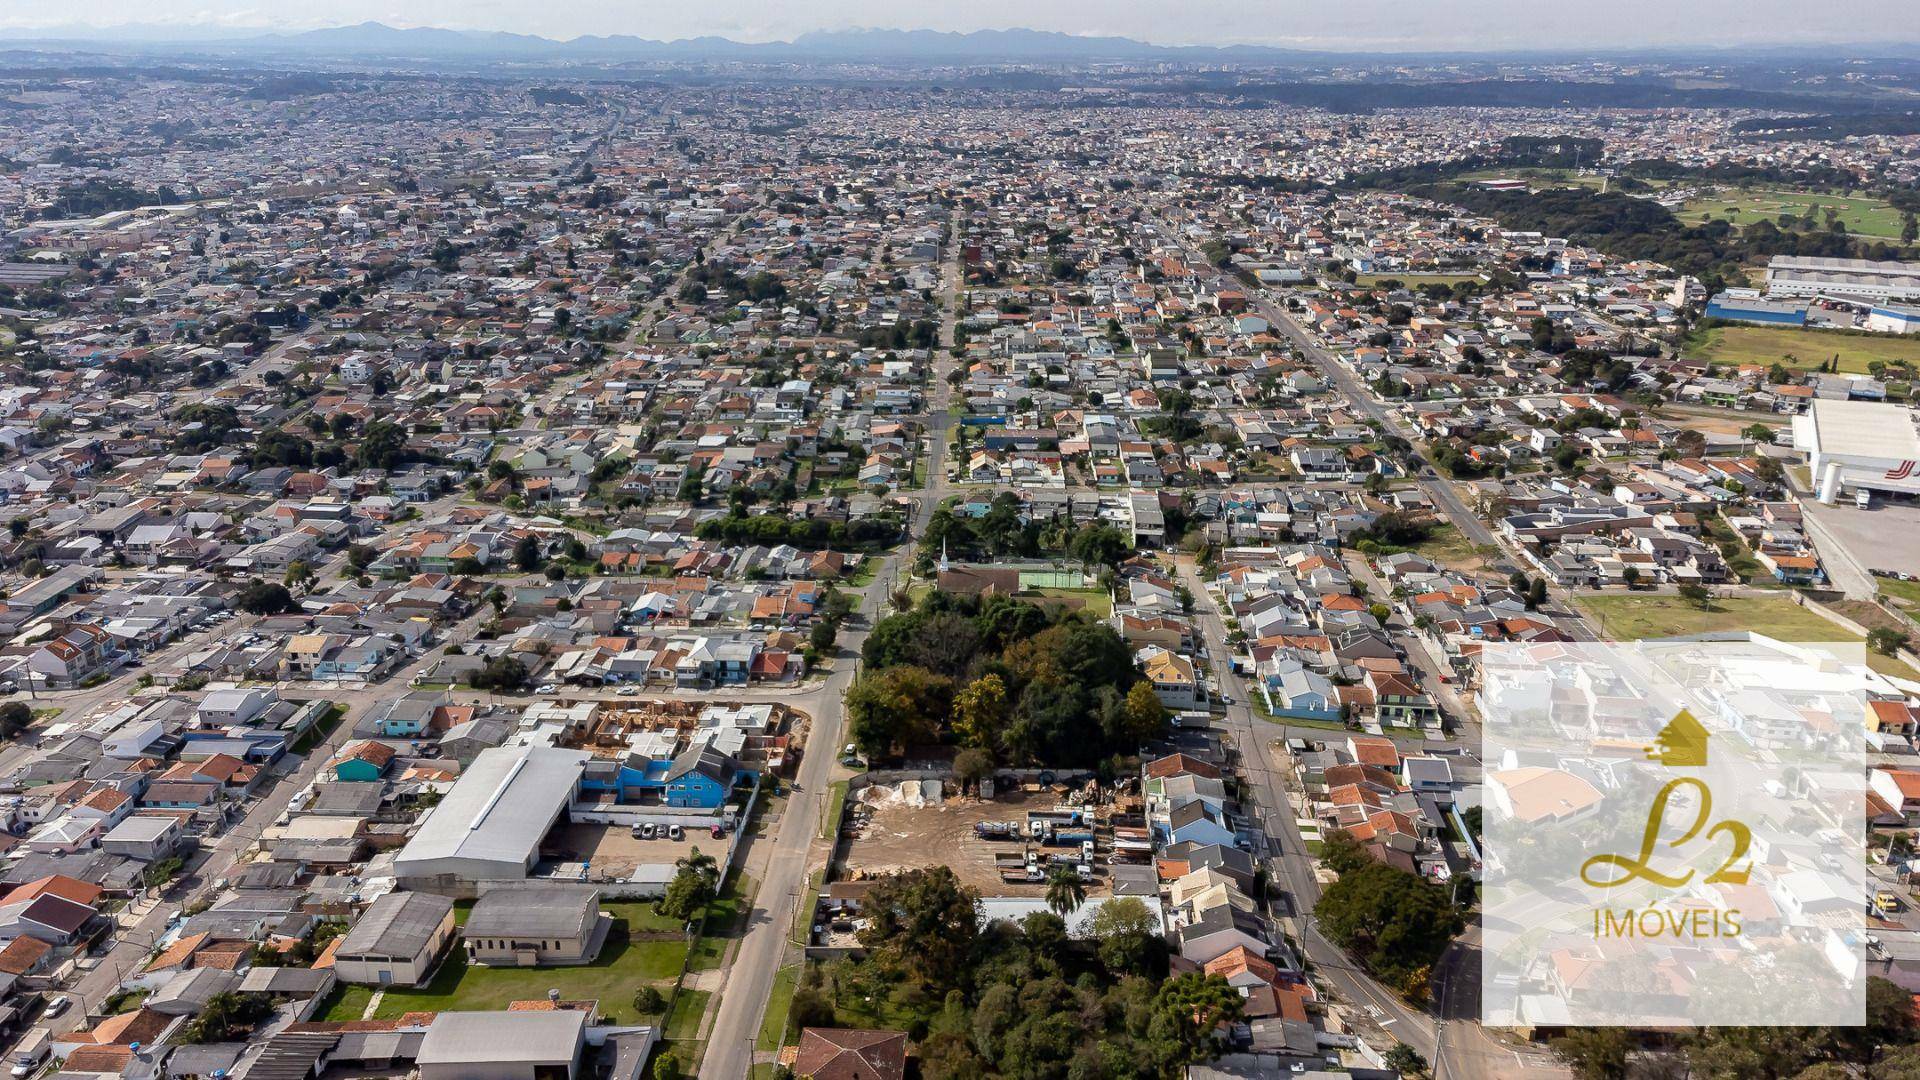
[(1846, 279), (489, 827), (1856, 445), (517, 1045)]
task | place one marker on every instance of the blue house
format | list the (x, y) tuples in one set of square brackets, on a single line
[(700, 778), (1200, 823)]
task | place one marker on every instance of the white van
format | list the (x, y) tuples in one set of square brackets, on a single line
[(30, 1052)]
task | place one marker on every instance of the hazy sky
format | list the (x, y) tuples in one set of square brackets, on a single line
[(1384, 24)]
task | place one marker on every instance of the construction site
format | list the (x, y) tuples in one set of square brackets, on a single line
[(760, 736), (1006, 844)]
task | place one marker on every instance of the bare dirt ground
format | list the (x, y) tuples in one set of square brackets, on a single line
[(614, 849), (898, 836)]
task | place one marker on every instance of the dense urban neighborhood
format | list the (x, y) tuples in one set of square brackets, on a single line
[(866, 571)]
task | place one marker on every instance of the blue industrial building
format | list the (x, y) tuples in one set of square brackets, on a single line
[(1754, 309)]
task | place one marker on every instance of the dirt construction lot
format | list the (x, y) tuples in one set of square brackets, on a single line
[(898, 836)]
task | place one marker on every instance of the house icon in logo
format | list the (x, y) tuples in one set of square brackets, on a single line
[(1682, 743)]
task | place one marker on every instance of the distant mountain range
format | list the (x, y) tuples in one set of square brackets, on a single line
[(930, 46), (373, 39)]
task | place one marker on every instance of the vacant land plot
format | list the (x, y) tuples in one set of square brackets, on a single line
[(1747, 206), (1796, 347), (1629, 617), (625, 963), (898, 836), (1446, 546)]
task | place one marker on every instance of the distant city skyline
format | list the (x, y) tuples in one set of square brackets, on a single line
[(1359, 25)]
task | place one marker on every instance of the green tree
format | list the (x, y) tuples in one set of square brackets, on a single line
[(1392, 921), (1146, 716), (1405, 1060), (1065, 891), (923, 924), (1126, 932), (1189, 1010), (980, 713), (527, 554), (1594, 1053), (897, 706), (264, 598), (972, 765), (1886, 640)]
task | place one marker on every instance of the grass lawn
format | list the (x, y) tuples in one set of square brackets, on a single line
[(683, 1020), (1628, 617), (773, 1028), (1095, 601), (1748, 206), (1445, 545), (348, 1002), (321, 728), (622, 966), (836, 809), (1904, 594), (725, 917), (1799, 347)]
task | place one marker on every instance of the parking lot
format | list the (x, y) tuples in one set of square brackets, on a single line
[(1886, 537), (614, 851), (898, 836)]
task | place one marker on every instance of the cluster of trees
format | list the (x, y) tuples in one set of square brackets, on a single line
[(1393, 922), (1024, 999), (809, 533), (260, 597), (502, 673), (1886, 1045), (1003, 531), (1018, 683), (225, 1017), (1394, 529), (1634, 228), (920, 334), (15, 717)]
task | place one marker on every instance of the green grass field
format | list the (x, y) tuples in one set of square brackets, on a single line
[(1801, 348), (773, 1027), (622, 966), (683, 1021), (1745, 206), (1629, 617), (1446, 546), (1904, 594)]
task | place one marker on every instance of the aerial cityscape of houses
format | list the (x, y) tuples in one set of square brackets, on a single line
[(526, 574)]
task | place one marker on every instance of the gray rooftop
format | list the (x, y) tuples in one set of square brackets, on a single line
[(534, 911), (493, 1038), (501, 807), (398, 924)]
